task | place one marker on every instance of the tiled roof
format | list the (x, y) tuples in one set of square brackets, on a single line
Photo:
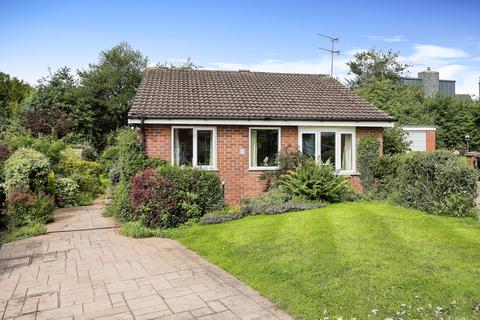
[(205, 94)]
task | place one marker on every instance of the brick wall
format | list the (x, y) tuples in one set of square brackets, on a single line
[(431, 138), (232, 166)]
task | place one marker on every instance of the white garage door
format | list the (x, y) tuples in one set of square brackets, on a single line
[(418, 140)]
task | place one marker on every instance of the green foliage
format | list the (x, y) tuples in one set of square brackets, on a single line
[(108, 88), (222, 215), (89, 153), (374, 64), (12, 93), (394, 141), (109, 158), (83, 199), (65, 191), (120, 206), (287, 161), (437, 183), (315, 182), (454, 119), (135, 229), (32, 230), (26, 169), (131, 159), (85, 173), (48, 145), (368, 150), (275, 201), (26, 207), (54, 108), (405, 103), (208, 189)]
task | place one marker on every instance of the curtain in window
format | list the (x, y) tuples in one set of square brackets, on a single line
[(253, 148), (346, 148)]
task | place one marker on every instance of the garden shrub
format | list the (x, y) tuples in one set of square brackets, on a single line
[(89, 153), (130, 156), (287, 161), (394, 141), (368, 150), (317, 182), (31, 230), (168, 196), (26, 169), (221, 216), (85, 173), (83, 199), (274, 202), (120, 207), (437, 183), (109, 158), (65, 191), (26, 207), (48, 145)]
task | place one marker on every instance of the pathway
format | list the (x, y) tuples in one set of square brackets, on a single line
[(83, 269)]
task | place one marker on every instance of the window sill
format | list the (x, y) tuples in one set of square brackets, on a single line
[(262, 168)]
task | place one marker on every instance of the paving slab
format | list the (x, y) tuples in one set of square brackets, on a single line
[(83, 269)]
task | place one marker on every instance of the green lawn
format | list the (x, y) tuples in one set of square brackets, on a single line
[(346, 260)]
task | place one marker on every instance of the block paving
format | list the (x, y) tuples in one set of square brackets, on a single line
[(83, 269)]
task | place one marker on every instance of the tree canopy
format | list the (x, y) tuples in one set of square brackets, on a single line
[(374, 63), (12, 93)]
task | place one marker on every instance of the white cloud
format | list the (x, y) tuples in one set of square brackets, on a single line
[(428, 52), (397, 38)]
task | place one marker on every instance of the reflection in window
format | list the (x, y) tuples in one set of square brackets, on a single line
[(346, 151), (264, 147), (308, 144), (204, 148), (327, 150), (183, 147)]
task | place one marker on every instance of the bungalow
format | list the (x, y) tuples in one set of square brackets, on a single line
[(236, 122)]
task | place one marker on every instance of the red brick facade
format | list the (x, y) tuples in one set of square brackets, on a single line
[(431, 138), (233, 155)]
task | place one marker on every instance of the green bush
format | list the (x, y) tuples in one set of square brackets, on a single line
[(316, 182), (368, 151), (32, 230), (170, 195), (65, 191), (85, 173), (120, 206), (89, 153), (276, 201), (394, 141), (287, 161), (83, 199), (109, 158), (437, 183), (130, 156), (26, 169), (27, 207), (135, 229), (48, 145)]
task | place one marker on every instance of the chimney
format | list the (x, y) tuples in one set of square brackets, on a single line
[(431, 82)]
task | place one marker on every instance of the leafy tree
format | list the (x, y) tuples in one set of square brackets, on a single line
[(187, 65), (12, 92), (109, 87), (402, 102), (54, 105), (454, 120), (394, 141), (372, 64)]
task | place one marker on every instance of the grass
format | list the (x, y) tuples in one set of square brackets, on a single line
[(363, 260), (32, 230), (135, 229)]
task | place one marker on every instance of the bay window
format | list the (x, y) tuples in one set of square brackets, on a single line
[(264, 148), (194, 147), (330, 145)]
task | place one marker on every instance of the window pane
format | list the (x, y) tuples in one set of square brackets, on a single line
[(328, 147), (204, 148), (264, 147), (308, 144), (183, 146), (346, 149)]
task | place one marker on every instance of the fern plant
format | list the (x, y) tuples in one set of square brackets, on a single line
[(314, 181)]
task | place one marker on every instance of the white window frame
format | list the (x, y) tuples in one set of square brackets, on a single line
[(338, 142), (251, 166), (195, 129)]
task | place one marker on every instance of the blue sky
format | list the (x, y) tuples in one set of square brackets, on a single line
[(259, 35)]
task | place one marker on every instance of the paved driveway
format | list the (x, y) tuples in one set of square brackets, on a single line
[(83, 269)]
